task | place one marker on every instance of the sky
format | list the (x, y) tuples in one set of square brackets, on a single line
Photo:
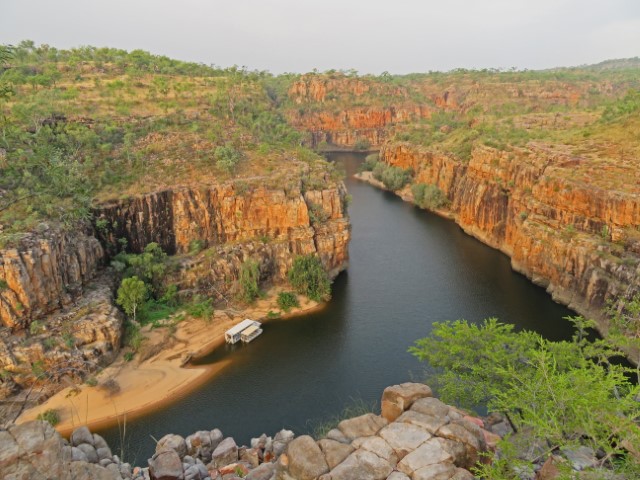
[(399, 36)]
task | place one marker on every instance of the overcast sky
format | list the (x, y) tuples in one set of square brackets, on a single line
[(371, 36)]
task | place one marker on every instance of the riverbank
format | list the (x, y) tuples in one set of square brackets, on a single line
[(160, 373)]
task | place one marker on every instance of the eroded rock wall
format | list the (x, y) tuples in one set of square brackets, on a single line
[(568, 234), (267, 225), (45, 273)]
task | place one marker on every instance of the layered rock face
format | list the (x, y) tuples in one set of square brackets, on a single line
[(269, 226), (45, 273), (352, 125), (573, 234)]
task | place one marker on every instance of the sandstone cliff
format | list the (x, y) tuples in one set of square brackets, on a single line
[(565, 226), (230, 225), (45, 273)]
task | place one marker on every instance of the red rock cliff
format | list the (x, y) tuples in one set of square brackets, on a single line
[(575, 236)]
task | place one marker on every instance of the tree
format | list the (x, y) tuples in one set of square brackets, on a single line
[(562, 394), (131, 294), (249, 280), (308, 277)]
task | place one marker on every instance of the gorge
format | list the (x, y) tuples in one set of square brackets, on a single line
[(200, 188)]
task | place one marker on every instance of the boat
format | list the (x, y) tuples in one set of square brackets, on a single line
[(245, 331)]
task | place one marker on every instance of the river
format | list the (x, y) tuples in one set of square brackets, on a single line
[(408, 268)]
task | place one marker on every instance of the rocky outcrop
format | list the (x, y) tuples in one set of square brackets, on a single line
[(269, 226), (69, 344), (45, 273), (353, 125), (560, 223), (34, 450)]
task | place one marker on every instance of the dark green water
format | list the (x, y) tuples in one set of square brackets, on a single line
[(408, 268)]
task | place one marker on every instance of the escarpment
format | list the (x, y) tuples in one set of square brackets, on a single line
[(564, 224), (229, 225)]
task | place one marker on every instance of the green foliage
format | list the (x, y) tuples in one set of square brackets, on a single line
[(561, 393), (196, 246), (362, 144), (428, 196), (149, 266), (36, 327), (227, 158), (131, 295), (128, 356), (317, 214), (51, 416), (394, 178), (200, 308), (287, 300), (629, 104), (369, 163), (308, 277), (38, 369), (91, 381), (250, 280)]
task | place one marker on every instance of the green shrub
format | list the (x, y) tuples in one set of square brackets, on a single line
[(563, 394), (249, 280), (428, 196), (317, 214), (308, 277), (52, 416), (394, 178), (227, 158), (196, 246), (200, 308), (369, 163), (362, 144), (287, 301)]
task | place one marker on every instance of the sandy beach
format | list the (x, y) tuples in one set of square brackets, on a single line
[(162, 376)]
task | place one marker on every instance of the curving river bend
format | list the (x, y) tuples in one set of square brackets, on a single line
[(408, 268)]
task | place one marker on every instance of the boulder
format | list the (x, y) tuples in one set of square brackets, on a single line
[(404, 437), (225, 453), (429, 453), (104, 453), (550, 470), (81, 435), (250, 456), (338, 436), (360, 465), (281, 440), (398, 398), (398, 476), (377, 445), (199, 445), (78, 455), (581, 457), (334, 452), (428, 422), (362, 426), (462, 474), (172, 442), (431, 406), (90, 452), (262, 472), (467, 433), (166, 465), (462, 456), (303, 459), (438, 471)]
